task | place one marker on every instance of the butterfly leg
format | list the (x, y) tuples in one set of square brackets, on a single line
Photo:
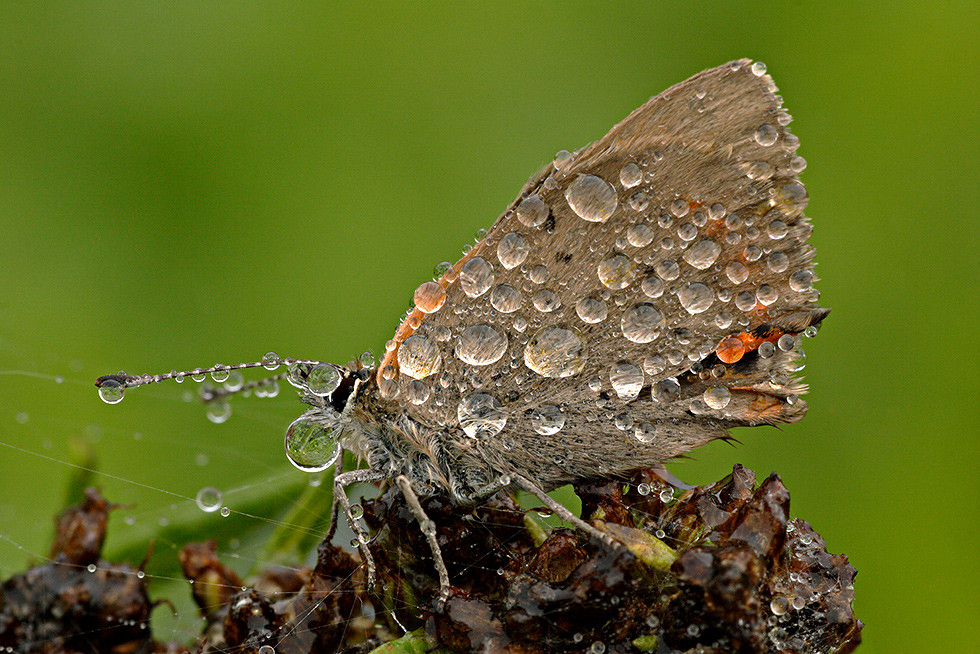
[(340, 483), (563, 513), (429, 530)]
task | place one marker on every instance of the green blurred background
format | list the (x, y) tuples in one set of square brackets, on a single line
[(187, 185)]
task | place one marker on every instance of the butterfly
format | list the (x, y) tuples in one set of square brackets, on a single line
[(639, 297)]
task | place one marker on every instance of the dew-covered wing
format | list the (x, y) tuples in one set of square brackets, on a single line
[(638, 297)]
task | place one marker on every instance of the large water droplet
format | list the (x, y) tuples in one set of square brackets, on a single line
[(702, 254), (323, 379), (111, 391), (767, 294), (666, 390), (481, 416), (737, 272), (630, 175), (639, 235), (429, 297), (547, 420), (652, 287), (766, 135), (643, 323), (556, 352), (310, 446), (512, 250), (617, 272), (481, 345), (505, 298), (476, 277), (419, 357), (626, 379), (417, 392), (801, 280), (696, 297), (591, 310), (645, 432), (717, 397), (668, 270), (532, 211), (592, 198), (545, 301), (745, 300)]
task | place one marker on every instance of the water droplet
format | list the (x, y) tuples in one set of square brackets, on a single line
[(786, 342), (639, 201), (758, 69), (545, 301), (745, 301), (220, 374), (481, 345), (547, 420), (654, 365), (224, 512), (777, 229), (476, 277), (717, 397), (563, 159), (767, 294), (778, 262), (234, 382), (429, 297), (717, 211), (538, 274), (218, 411), (766, 350), (512, 250), (296, 375), (419, 357), (643, 323), (645, 432), (724, 319), (310, 446), (702, 254), (111, 391), (267, 649), (643, 488), (208, 499), (779, 605), (639, 235), (696, 297), (480, 416), (270, 361), (687, 232), (323, 379), (652, 287), (679, 208), (626, 379), (801, 280), (797, 164), (737, 272), (505, 298), (598, 647), (630, 175), (668, 270), (556, 352), (532, 211), (766, 135), (591, 310), (417, 392), (617, 272), (592, 198), (666, 390)]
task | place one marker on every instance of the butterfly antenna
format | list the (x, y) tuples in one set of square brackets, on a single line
[(113, 387)]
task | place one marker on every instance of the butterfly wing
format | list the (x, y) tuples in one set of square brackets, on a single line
[(638, 298)]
